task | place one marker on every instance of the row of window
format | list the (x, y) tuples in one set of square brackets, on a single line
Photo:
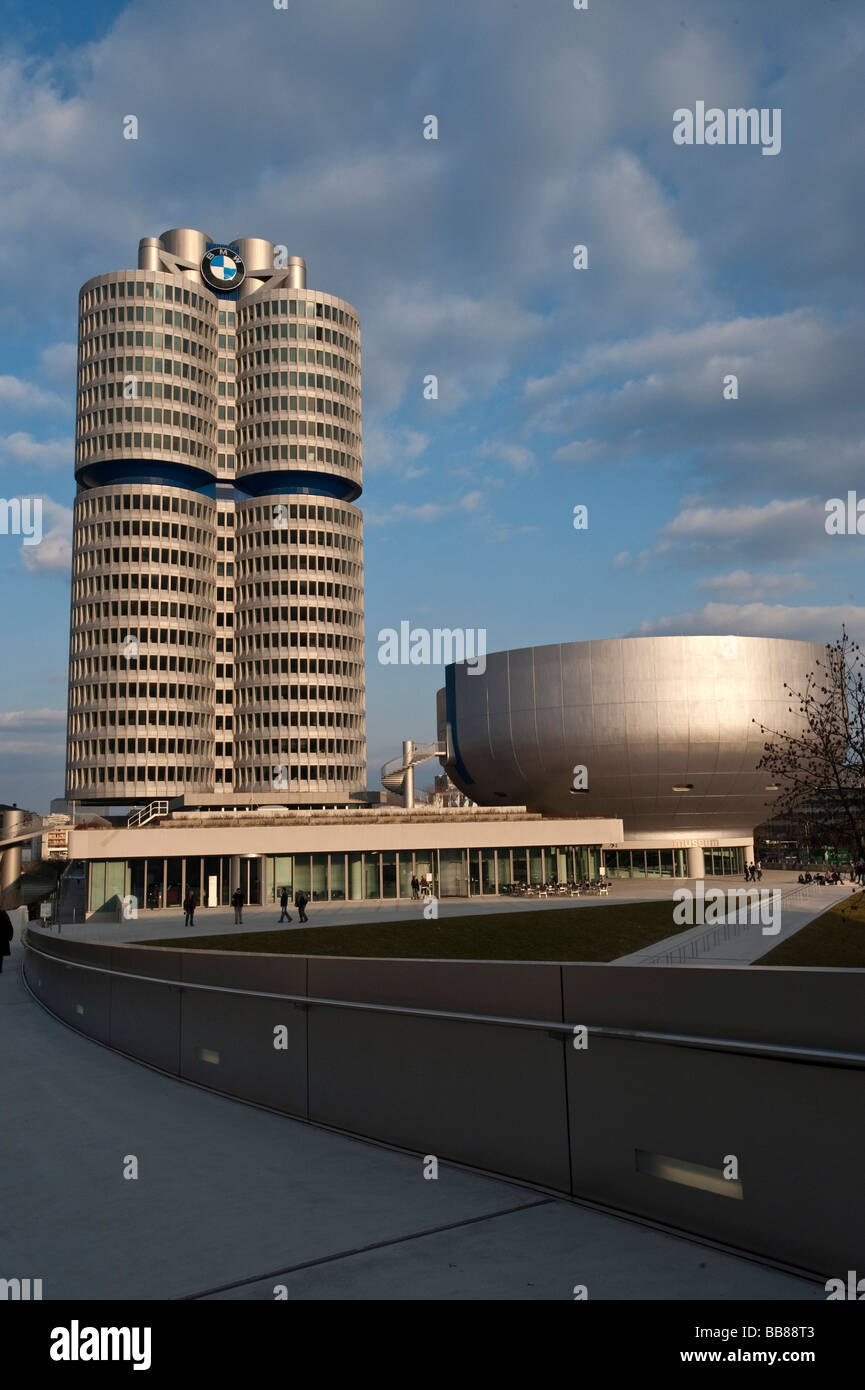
[(150, 415), (173, 716), (136, 287), (305, 380), (84, 742), (254, 408), (90, 349), (314, 332), (140, 285), (171, 690), (87, 560), (90, 324), (258, 382), (265, 308), (171, 530), (95, 503), (91, 417), (136, 365), (346, 592), (248, 779), (157, 443), (93, 612), (121, 778), (335, 564), (270, 512), (111, 390), (263, 641), (295, 777), (302, 511)]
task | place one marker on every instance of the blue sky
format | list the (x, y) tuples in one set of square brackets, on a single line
[(556, 386)]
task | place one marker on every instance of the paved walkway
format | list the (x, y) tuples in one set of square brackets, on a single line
[(231, 1201), (745, 943)]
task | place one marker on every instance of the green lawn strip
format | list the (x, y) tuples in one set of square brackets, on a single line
[(836, 937), (600, 933)]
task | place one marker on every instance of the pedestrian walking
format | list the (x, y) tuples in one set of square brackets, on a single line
[(415, 887), (5, 937), (283, 902), (237, 904), (759, 870), (189, 908), (300, 902)]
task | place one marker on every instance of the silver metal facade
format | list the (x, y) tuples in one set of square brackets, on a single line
[(662, 725), (216, 639)]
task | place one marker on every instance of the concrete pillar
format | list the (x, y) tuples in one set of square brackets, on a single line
[(696, 863), (296, 267), (749, 854), (148, 253), (408, 780), (236, 880), (10, 866)]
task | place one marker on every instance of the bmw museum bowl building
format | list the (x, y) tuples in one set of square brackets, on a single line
[(661, 733)]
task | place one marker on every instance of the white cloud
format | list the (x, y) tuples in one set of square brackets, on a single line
[(54, 551), (700, 533), (425, 511), (814, 624), (633, 229), (28, 748), (756, 585), (16, 394), (59, 362), (393, 449), (33, 719), (518, 457), (799, 405), (22, 448)]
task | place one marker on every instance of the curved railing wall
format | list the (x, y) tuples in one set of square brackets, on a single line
[(476, 1063)]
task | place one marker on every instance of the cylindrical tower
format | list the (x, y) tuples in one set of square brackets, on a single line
[(217, 588)]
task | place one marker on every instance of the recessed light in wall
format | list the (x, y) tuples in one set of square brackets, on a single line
[(773, 787), (687, 787)]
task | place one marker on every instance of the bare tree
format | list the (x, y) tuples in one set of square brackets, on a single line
[(820, 769)]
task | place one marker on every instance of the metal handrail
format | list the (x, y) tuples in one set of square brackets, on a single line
[(779, 1052), (148, 813)]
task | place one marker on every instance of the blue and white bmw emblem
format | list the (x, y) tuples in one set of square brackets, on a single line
[(222, 268)]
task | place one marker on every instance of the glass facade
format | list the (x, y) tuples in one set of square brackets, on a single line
[(376, 875), (384, 874), (672, 863)]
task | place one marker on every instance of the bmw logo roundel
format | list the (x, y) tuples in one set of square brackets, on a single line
[(222, 268)]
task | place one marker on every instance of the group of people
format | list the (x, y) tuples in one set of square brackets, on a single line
[(832, 877), (754, 872), (300, 902), (190, 903)]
